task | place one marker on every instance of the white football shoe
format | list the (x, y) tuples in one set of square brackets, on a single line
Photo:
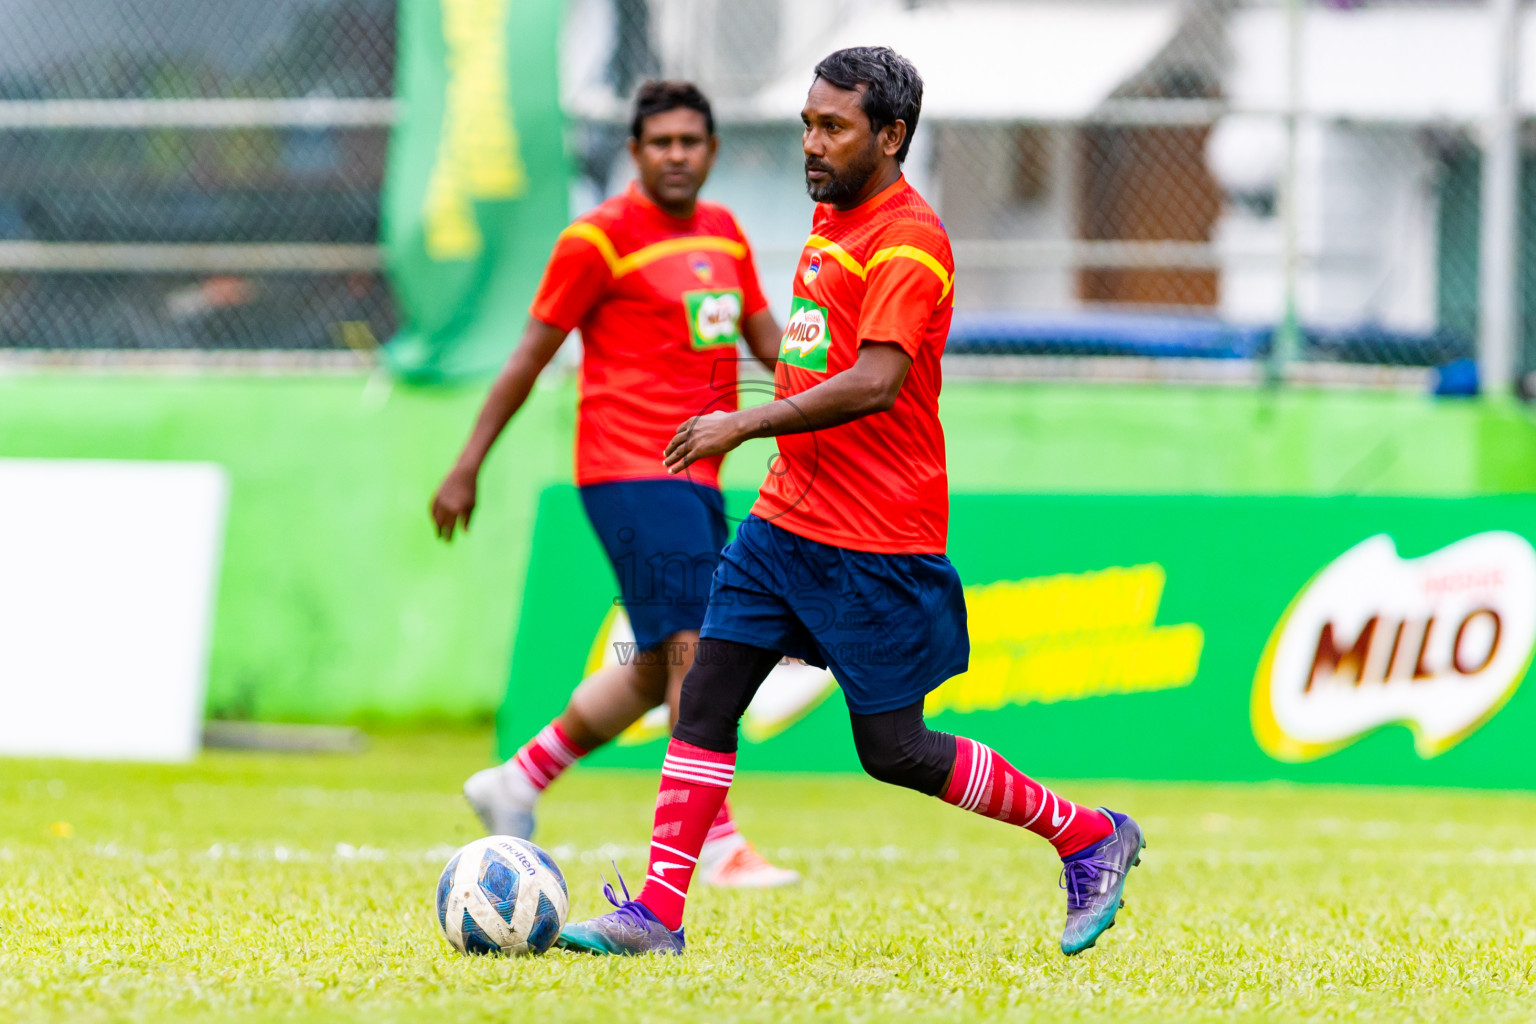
[(732, 863), (504, 800)]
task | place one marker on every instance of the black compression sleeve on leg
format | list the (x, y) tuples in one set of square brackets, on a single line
[(899, 748), (716, 691)]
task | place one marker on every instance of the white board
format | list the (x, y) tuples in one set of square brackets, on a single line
[(108, 572)]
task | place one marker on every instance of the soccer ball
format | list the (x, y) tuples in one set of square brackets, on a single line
[(502, 895)]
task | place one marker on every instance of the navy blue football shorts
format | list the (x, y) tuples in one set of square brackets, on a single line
[(663, 539), (890, 627)]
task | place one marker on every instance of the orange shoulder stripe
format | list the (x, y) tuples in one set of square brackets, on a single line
[(912, 252), (838, 253), (618, 265), (673, 246), (594, 235), (895, 252)]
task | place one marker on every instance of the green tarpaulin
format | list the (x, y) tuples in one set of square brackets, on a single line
[(476, 189), (1338, 640)]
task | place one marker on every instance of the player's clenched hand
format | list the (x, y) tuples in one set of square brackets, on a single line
[(699, 438), (454, 502)]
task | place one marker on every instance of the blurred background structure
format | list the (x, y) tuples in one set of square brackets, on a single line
[(189, 175), (1296, 183), (1145, 196), (1129, 177)]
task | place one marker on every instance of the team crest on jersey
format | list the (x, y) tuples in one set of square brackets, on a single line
[(702, 268), (812, 268), (807, 336)]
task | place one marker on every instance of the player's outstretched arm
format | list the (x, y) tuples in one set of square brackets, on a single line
[(454, 501), (870, 385), (762, 335)]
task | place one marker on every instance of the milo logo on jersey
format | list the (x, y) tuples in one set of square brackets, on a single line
[(807, 336), (714, 317)]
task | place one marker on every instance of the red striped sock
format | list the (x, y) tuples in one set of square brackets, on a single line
[(694, 782), (544, 757), (984, 782)]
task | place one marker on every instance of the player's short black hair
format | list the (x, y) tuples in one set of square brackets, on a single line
[(893, 90), (658, 96)]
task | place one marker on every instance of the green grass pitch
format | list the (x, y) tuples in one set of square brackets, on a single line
[(257, 887)]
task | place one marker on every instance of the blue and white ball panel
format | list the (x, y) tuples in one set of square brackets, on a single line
[(502, 895), (549, 862)]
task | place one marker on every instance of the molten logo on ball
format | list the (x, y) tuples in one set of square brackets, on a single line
[(501, 895), (1437, 643)]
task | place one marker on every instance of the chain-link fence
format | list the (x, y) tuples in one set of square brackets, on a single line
[(1220, 184), (192, 174), (1210, 180)]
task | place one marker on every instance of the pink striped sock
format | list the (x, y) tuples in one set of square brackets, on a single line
[(724, 826), (983, 781), (694, 782), (543, 758)]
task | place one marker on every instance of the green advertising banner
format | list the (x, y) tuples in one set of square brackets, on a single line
[(476, 185), (1340, 640)]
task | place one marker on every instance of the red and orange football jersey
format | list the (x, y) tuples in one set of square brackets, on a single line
[(659, 301), (881, 272)]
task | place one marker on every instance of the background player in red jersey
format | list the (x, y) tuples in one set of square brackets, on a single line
[(663, 287), (842, 561)]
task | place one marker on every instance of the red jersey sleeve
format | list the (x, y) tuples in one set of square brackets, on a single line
[(908, 277), (578, 273), (752, 298)]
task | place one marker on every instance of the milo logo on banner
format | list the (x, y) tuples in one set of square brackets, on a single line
[(1437, 643), (807, 336), (714, 317)]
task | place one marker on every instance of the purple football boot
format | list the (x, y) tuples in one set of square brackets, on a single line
[(628, 931), (1095, 882)]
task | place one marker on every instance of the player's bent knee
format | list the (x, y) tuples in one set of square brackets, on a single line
[(716, 691), (649, 688), (912, 766), (891, 766), (705, 724), (896, 747)]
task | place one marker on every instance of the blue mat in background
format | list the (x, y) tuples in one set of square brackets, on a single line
[(1190, 337)]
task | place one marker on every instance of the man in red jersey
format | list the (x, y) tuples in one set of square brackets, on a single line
[(663, 287), (842, 561)]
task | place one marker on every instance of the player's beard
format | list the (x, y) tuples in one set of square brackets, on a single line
[(841, 187)]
